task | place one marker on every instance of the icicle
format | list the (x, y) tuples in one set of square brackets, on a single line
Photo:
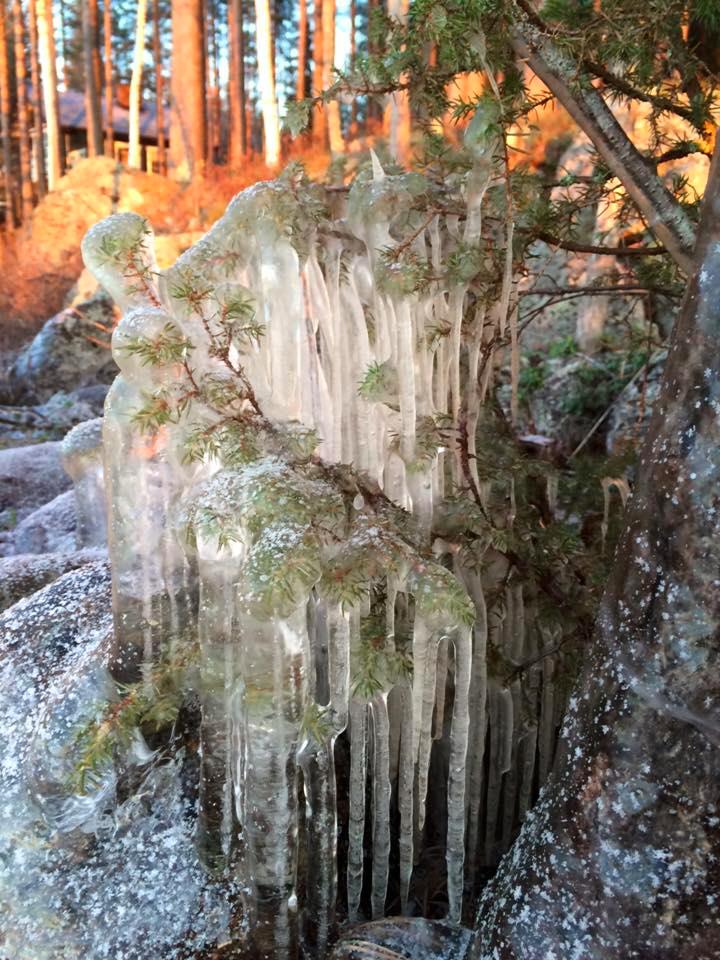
[(512, 778), (457, 774), (356, 821), (546, 735), (318, 766), (381, 804), (501, 734), (405, 797), (478, 711), (425, 733), (82, 457), (441, 689)]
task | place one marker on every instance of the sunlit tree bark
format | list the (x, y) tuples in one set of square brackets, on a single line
[(135, 149), (5, 120), (300, 88), (159, 88), (26, 189), (236, 84), (37, 143), (332, 110), (398, 126), (319, 124), (92, 86), (268, 98), (108, 78), (48, 71), (188, 126)]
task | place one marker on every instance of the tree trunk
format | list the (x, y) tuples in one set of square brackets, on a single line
[(38, 139), (300, 88), (353, 55), (92, 91), (398, 126), (48, 71), (109, 86), (159, 88), (26, 188), (238, 132), (620, 856), (332, 110), (563, 76), (5, 121), (319, 124), (188, 129), (135, 149), (271, 123)]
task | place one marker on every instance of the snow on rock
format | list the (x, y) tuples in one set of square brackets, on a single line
[(29, 477), (23, 574)]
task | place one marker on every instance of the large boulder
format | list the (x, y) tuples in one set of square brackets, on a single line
[(49, 529), (71, 350), (85, 875), (29, 477), (25, 574)]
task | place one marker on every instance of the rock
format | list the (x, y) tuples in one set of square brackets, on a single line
[(21, 425), (29, 477), (25, 574), (399, 938), (49, 529), (71, 350), (68, 858), (629, 418)]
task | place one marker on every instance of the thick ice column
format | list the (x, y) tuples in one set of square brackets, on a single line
[(274, 664), (82, 456)]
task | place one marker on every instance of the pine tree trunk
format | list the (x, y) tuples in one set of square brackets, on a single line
[(353, 54), (108, 79), (271, 123), (135, 149), (93, 113), (48, 70), (300, 89), (332, 110), (188, 129), (398, 126), (26, 188), (5, 121), (159, 89), (238, 133), (38, 139), (319, 124)]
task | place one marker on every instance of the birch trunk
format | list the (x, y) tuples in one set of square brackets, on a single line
[(48, 71)]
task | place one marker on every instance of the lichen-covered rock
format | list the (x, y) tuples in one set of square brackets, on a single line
[(24, 574), (29, 477), (20, 425), (71, 350), (49, 529)]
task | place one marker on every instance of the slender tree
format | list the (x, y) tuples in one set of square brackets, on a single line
[(159, 88), (353, 56), (37, 142), (268, 99), (332, 111), (319, 129), (108, 78), (188, 126), (48, 70), (238, 127), (300, 89), (397, 114), (92, 90), (135, 149), (26, 188), (7, 158)]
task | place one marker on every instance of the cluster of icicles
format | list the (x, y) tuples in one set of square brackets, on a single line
[(269, 658)]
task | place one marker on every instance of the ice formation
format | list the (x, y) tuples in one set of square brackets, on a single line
[(288, 421), (82, 455)]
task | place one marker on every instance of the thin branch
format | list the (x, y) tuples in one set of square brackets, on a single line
[(592, 248)]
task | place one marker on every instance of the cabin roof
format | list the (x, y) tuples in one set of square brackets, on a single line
[(72, 116)]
